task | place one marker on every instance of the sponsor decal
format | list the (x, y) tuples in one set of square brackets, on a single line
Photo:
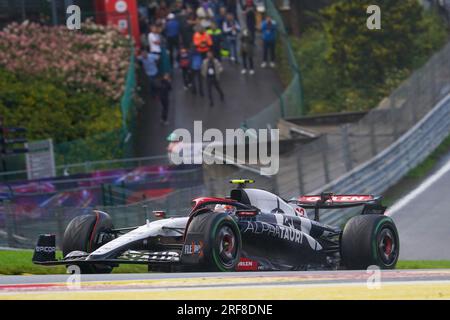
[(247, 265), (347, 198), (300, 211), (194, 248), (45, 249), (276, 231)]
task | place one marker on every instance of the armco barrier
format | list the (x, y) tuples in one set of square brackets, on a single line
[(309, 167), (388, 167)]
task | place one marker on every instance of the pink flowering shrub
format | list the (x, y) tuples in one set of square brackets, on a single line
[(66, 85), (94, 59)]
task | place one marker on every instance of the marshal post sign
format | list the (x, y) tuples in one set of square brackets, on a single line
[(40, 159)]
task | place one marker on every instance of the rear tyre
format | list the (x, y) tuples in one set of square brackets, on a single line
[(83, 235), (221, 241), (370, 240)]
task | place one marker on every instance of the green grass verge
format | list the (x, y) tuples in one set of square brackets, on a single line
[(416, 175), (428, 164), (19, 263), (423, 264)]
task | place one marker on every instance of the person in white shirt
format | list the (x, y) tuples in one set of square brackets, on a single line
[(154, 40), (205, 14)]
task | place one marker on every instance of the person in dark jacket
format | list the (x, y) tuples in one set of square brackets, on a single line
[(247, 52), (172, 32), (250, 18), (184, 61), (216, 34), (164, 90), (211, 70), (221, 17), (196, 67), (231, 6), (231, 29), (188, 21)]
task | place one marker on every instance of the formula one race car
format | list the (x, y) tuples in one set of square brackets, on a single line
[(250, 230)]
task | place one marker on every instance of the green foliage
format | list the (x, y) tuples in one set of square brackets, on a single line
[(347, 67), (48, 110), (366, 55)]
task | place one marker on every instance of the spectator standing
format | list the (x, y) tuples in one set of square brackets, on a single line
[(152, 6), (231, 29), (164, 91), (221, 17), (202, 41), (162, 11), (216, 35), (177, 7), (250, 18), (215, 6), (247, 52), (196, 67), (269, 31), (150, 65), (191, 3), (211, 70), (205, 14), (231, 6), (143, 29), (188, 21), (172, 32), (184, 61), (154, 40)]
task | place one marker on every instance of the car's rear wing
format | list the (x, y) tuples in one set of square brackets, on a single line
[(328, 200)]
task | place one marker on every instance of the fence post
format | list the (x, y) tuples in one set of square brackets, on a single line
[(434, 95), (123, 195), (274, 185), (60, 224), (414, 103), (393, 116), (9, 223), (301, 182), (324, 151), (146, 215), (346, 153), (111, 200), (373, 138), (102, 186), (212, 187), (282, 108)]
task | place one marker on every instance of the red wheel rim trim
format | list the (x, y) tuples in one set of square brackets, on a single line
[(387, 245)]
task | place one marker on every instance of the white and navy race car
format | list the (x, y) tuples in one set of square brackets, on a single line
[(250, 230)]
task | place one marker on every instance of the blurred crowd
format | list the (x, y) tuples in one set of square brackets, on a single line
[(196, 37)]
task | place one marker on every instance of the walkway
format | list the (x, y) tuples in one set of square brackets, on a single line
[(245, 96)]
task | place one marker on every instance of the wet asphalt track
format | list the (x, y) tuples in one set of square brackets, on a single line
[(423, 222), (342, 276), (394, 284)]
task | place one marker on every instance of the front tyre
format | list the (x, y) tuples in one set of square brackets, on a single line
[(85, 234), (370, 240), (220, 240)]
